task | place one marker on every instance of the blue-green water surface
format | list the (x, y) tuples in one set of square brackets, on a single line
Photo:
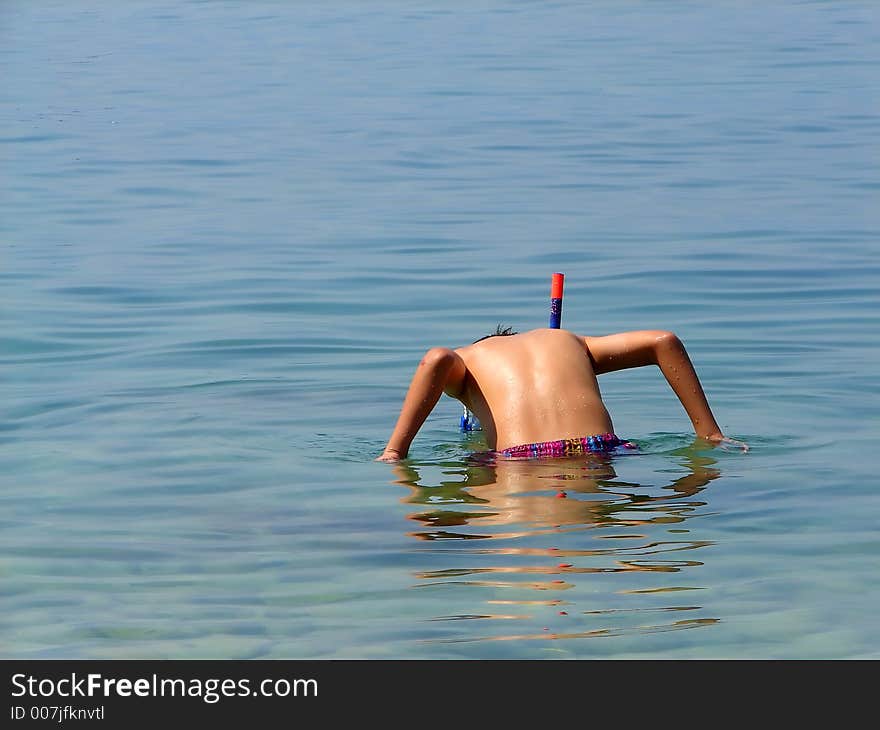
[(229, 231)]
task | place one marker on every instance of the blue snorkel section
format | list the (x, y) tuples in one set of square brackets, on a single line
[(555, 313)]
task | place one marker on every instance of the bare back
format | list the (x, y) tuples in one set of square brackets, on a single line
[(535, 386)]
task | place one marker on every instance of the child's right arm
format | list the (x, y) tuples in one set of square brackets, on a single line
[(440, 369), (666, 350)]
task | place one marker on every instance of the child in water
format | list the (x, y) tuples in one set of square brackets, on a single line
[(536, 394)]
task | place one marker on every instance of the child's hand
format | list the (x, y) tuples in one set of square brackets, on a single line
[(727, 443), (389, 455)]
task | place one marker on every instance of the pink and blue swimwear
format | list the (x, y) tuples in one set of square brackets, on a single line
[(602, 443)]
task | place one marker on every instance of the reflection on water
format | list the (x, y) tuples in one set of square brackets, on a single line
[(523, 541)]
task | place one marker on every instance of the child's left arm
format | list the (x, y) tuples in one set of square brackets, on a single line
[(440, 369), (666, 350)]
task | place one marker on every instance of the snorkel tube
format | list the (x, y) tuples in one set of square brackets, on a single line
[(556, 284)]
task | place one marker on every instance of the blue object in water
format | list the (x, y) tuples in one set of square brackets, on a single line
[(469, 421)]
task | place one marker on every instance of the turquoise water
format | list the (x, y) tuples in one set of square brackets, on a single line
[(230, 230)]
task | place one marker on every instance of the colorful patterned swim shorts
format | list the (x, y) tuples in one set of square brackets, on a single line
[(602, 443)]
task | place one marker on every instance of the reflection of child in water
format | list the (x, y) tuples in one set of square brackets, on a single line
[(512, 492), (536, 394)]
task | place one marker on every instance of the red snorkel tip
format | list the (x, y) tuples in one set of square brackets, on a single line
[(556, 285)]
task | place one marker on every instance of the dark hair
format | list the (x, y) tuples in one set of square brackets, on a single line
[(499, 332)]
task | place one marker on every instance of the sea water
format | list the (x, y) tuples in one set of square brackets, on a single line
[(230, 230)]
